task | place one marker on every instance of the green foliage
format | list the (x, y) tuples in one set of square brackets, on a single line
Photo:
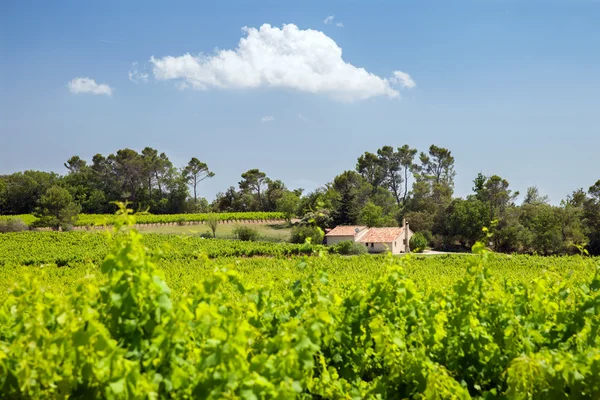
[(288, 205), (147, 218), (245, 233), (302, 232), (213, 222), (126, 333), (195, 172), (12, 225), (372, 216), (57, 209), (418, 242), (348, 248)]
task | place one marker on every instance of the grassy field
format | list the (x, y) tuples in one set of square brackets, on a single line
[(269, 232)]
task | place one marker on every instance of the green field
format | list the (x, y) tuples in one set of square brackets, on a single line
[(185, 317), (275, 232)]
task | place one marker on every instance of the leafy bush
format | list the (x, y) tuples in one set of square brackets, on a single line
[(206, 235), (418, 242), (245, 233), (302, 232), (348, 248), (13, 225)]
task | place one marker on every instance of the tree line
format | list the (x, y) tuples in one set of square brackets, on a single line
[(383, 188)]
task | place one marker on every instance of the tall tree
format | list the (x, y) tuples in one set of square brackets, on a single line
[(407, 161), (352, 193), (75, 164), (533, 196), (391, 164), (497, 195), (195, 172), (438, 165), (370, 167), (254, 181)]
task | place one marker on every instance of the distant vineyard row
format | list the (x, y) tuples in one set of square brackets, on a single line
[(108, 219)]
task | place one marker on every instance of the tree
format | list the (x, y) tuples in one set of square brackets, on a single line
[(57, 208), (254, 181), (275, 190), (195, 172), (591, 218), (544, 229), (352, 193), (438, 166), (465, 220), (75, 164), (372, 216), (288, 204), (392, 171), (370, 167), (497, 195), (533, 196), (407, 157), (22, 190)]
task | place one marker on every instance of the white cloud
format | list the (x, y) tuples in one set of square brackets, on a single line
[(272, 57), (403, 79), (339, 25), (136, 76), (329, 19), (267, 118), (88, 85), (302, 117)]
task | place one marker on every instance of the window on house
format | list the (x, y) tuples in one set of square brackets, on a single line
[(367, 244), (395, 244), (371, 245), (404, 241)]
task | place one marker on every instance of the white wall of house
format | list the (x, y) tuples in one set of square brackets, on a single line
[(396, 247), (331, 240), (384, 247)]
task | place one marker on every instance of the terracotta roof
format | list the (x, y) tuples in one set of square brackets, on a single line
[(345, 230), (381, 235)]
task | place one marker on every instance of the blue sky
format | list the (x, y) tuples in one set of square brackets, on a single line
[(510, 87)]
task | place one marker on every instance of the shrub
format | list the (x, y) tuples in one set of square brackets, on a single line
[(13, 225), (300, 233), (206, 235), (213, 222), (245, 233), (348, 248), (418, 242)]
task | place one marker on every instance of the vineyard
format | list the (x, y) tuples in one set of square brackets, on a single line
[(87, 315), (109, 219)]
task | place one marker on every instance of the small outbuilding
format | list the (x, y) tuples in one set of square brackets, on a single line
[(377, 240), (343, 233)]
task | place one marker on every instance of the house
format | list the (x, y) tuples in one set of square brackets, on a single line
[(342, 233), (376, 240)]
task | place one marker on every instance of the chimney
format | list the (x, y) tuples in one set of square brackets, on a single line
[(406, 238)]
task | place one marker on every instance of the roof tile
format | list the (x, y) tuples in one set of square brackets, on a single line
[(381, 235), (345, 230)]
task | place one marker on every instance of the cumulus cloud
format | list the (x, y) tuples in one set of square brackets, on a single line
[(272, 57), (136, 76), (403, 79), (88, 85), (329, 19), (339, 24), (267, 118)]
